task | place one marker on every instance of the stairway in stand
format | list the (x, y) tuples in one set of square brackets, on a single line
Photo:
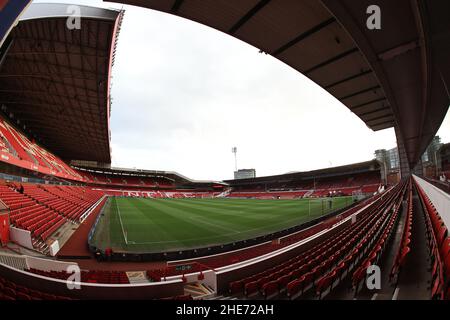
[(198, 290)]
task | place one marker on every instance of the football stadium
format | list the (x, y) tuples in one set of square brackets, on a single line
[(73, 226)]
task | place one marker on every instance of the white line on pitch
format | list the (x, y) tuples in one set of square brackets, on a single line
[(120, 218)]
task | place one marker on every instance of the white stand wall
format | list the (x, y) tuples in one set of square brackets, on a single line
[(21, 237), (439, 198)]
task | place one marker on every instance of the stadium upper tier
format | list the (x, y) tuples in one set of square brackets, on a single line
[(95, 178), (349, 176), (142, 179), (16, 149)]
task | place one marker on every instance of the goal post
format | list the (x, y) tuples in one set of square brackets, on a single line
[(320, 205), (357, 195)]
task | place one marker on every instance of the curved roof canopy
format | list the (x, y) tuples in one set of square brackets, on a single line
[(393, 77), (54, 81), (171, 175), (350, 169)]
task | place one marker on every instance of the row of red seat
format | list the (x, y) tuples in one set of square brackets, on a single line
[(379, 230), (256, 251), (43, 209), (368, 181), (72, 202), (92, 276), (123, 180), (19, 146), (367, 246), (382, 239), (304, 271), (178, 194), (13, 199), (268, 194), (404, 247), (300, 193), (439, 248), (12, 291), (26, 213)]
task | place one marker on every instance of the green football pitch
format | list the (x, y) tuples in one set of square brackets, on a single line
[(156, 225)]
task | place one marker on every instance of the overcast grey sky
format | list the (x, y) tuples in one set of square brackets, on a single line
[(184, 94)]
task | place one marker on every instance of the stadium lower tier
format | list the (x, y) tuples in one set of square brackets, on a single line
[(295, 194), (314, 263), (156, 194), (92, 276), (329, 260), (12, 291), (43, 209), (322, 268), (316, 193)]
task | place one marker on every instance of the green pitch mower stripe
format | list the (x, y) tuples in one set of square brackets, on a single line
[(155, 225)]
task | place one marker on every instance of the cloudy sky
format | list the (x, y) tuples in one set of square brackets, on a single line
[(185, 94)]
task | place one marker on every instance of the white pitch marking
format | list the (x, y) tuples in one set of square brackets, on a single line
[(120, 218), (221, 235)]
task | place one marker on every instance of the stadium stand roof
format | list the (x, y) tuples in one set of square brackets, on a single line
[(171, 175), (397, 76), (365, 166), (9, 14), (55, 81)]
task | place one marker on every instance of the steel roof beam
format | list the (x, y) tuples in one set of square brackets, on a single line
[(261, 4), (304, 35)]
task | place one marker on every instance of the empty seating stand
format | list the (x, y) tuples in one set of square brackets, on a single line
[(367, 183), (72, 202), (404, 247), (43, 209), (92, 276), (380, 239), (29, 214), (12, 291), (439, 248), (124, 180), (323, 266), (19, 146)]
